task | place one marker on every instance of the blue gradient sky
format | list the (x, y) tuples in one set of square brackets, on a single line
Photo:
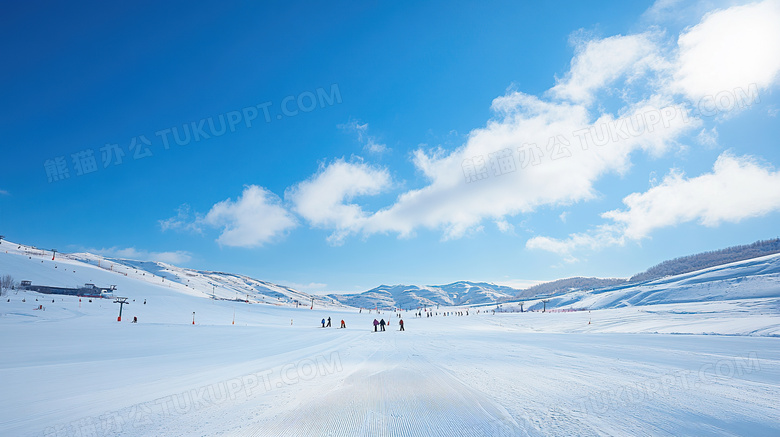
[(412, 79)]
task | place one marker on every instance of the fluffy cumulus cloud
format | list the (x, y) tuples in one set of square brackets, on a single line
[(600, 62), (602, 236), (534, 153), (255, 218), (738, 188), (176, 257), (729, 49), (324, 200)]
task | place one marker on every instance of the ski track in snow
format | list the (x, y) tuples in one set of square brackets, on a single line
[(394, 393)]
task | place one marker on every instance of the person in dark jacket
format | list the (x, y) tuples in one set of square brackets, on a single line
[(382, 324), (328, 326)]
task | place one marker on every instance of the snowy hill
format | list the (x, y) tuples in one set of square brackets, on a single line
[(74, 270), (757, 278), (563, 286), (700, 261), (413, 296)]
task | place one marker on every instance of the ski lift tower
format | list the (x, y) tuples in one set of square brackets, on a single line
[(121, 301), (544, 307)]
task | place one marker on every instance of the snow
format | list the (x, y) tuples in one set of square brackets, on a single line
[(413, 296), (670, 366)]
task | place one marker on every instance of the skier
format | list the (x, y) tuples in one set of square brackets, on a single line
[(382, 324), (401, 322), (343, 325), (328, 322), (323, 323), (135, 319), (376, 323)]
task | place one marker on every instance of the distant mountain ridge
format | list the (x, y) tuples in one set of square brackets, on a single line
[(414, 296)]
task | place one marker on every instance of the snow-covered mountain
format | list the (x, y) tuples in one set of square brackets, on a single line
[(413, 296), (219, 285), (757, 278), (74, 270)]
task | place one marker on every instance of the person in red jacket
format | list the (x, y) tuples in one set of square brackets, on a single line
[(401, 322), (343, 325)]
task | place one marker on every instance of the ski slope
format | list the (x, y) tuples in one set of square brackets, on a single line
[(757, 278), (268, 369)]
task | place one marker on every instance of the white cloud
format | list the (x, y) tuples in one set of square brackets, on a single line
[(185, 220), (4, 193), (177, 257), (708, 138), (662, 9), (452, 204), (600, 62), (738, 188), (373, 147), (370, 143), (602, 236), (255, 218), (323, 199), (729, 49), (505, 227)]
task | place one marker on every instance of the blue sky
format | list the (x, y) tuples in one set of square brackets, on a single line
[(344, 146)]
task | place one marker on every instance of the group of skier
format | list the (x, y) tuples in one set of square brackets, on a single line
[(378, 324), (343, 325), (381, 324)]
